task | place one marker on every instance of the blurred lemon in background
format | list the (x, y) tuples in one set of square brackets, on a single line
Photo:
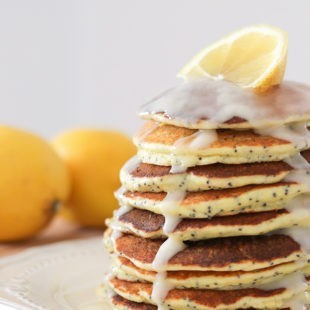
[(94, 158), (33, 182)]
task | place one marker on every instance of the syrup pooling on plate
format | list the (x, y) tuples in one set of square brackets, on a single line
[(220, 101)]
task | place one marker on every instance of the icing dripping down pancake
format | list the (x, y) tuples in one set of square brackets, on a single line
[(208, 104)]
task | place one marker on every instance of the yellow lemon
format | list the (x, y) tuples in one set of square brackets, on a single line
[(33, 181), (94, 158), (253, 57)]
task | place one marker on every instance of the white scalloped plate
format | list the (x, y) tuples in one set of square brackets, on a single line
[(64, 275)]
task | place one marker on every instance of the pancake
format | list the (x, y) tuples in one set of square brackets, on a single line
[(207, 204), (214, 208), (124, 269), (221, 254), (147, 224), (207, 104), (167, 145), (206, 299), (153, 178), (120, 303)]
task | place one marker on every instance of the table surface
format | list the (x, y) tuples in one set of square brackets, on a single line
[(58, 230)]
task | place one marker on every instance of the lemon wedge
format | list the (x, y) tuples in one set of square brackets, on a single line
[(253, 57)]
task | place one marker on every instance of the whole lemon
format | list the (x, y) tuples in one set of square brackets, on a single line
[(94, 158), (33, 181)]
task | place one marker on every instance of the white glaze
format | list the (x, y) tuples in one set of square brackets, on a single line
[(171, 222), (121, 211), (299, 206), (172, 199), (298, 303), (161, 288), (299, 285), (168, 206), (115, 235), (203, 139), (219, 101), (298, 134), (295, 282), (169, 248), (149, 130), (301, 235), (178, 169), (298, 176), (120, 191), (115, 224), (198, 140), (298, 162), (131, 165)]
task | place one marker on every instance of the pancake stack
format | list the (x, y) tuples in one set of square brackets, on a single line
[(214, 209)]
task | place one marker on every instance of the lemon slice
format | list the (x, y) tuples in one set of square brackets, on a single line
[(253, 57)]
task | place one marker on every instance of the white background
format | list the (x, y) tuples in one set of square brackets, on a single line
[(94, 62)]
